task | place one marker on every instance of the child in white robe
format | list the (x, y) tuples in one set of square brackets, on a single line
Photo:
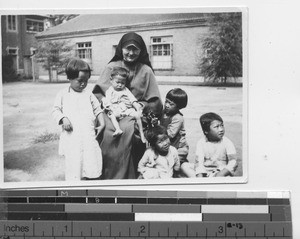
[(78, 111)]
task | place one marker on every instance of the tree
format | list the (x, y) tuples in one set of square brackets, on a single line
[(53, 55), (59, 19), (222, 48)]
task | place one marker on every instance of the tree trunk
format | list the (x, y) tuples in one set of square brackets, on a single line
[(50, 73)]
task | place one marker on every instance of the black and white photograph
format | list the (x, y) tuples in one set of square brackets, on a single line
[(124, 97)]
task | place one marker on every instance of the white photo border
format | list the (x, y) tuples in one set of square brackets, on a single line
[(134, 182)]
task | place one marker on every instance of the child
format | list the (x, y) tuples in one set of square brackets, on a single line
[(78, 111), (215, 153), (161, 159), (120, 102), (173, 120)]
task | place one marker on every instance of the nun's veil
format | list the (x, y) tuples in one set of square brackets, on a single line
[(132, 36)]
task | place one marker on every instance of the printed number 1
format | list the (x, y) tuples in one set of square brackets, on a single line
[(66, 228)]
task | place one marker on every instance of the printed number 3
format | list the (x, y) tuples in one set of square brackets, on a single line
[(220, 229)]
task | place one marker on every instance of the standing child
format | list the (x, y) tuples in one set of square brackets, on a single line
[(78, 111), (173, 120), (120, 102), (215, 153), (161, 159)]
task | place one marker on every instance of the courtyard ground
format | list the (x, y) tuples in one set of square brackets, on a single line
[(30, 135)]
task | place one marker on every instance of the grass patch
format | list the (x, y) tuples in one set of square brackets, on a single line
[(45, 137), (39, 162)]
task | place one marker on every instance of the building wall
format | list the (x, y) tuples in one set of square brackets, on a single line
[(11, 39), (186, 48), (29, 37), (22, 40)]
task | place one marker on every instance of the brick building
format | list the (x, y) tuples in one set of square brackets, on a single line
[(18, 40), (173, 40)]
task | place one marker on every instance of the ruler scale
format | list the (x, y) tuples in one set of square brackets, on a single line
[(144, 214)]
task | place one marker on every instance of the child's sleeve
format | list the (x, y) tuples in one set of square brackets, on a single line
[(175, 125), (95, 105), (57, 110), (199, 160), (130, 96), (144, 160), (231, 154)]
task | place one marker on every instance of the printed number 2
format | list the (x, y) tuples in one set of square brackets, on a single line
[(221, 229), (143, 229)]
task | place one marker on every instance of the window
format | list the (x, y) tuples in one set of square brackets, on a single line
[(34, 26), (161, 52), (12, 51), (84, 50), (11, 23)]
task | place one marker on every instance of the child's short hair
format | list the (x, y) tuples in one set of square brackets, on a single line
[(74, 66), (152, 134), (206, 119), (178, 96), (119, 71)]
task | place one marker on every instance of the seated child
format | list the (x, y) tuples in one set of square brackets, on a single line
[(120, 102), (161, 159), (173, 120), (215, 153), (78, 112)]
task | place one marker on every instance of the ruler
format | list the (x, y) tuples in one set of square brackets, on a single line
[(144, 214)]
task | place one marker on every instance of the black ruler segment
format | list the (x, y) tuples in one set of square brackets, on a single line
[(144, 214), (35, 207), (70, 200), (132, 200), (101, 200), (162, 200), (42, 199), (192, 201), (252, 201)]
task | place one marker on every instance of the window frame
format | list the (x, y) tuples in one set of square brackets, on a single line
[(8, 23), (16, 49), (16, 54), (34, 21), (87, 50), (161, 46)]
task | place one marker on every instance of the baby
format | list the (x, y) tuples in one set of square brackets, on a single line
[(119, 102)]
